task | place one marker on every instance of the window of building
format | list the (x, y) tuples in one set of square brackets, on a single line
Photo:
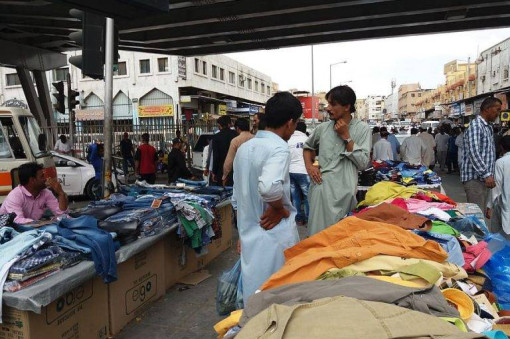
[(231, 77), (163, 65), (121, 69), (60, 74), (204, 68), (262, 87), (145, 66), (250, 83), (241, 80), (505, 73), (222, 74), (412, 95), (268, 90), (256, 86), (197, 65), (419, 95), (214, 72), (12, 79)]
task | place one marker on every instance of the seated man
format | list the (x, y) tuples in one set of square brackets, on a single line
[(31, 198)]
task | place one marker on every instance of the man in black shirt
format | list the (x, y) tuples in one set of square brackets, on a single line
[(220, 145), (177, 163), (126, 150)]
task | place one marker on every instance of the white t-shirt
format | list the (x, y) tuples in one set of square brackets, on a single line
[(382, 150), (61, 147), (296, 143)]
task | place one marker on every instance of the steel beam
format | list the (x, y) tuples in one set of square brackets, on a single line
[(30, 58), (46, 105)]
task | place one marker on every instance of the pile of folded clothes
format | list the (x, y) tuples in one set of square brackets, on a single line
[(399, 172), (95, 232), (406, 263)]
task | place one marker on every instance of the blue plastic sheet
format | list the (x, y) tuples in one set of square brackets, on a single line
[(498, 270)]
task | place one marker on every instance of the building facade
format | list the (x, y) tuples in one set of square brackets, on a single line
[(374, 106), (391, 108), (361, 111), (408, 97), (152, 88)]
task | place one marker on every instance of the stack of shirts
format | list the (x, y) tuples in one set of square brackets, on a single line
[(406, 256), (195, 224), (399, 172)]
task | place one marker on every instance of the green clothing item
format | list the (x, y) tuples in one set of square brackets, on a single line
[(191, 227), (336, 196), (339, 273), (443, 228)]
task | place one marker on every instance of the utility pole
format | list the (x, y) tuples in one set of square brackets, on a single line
[(313, 95), (108, 108)]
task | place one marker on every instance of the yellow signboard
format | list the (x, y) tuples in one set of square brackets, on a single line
[(156, 111), (223, 109)]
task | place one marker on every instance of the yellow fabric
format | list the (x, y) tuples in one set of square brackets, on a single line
[(226, 324), (385, 190), (398, 281), (463, 302)]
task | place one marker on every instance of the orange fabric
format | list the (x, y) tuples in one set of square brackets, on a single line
[(349, 241), (444, 198)]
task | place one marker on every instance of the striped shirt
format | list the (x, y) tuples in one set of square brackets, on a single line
[(479, 151)]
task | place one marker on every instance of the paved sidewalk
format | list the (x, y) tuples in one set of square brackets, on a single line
[(191, 313)]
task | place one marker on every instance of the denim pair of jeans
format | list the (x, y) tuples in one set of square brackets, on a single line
[(84, 231), (299, 184)]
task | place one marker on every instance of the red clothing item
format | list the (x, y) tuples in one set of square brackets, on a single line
[(146, 155)]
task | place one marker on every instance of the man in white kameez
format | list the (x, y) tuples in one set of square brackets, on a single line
[(266, 217), (499, 202), (413, 149)]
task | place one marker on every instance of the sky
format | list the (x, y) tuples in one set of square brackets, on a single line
[(371, 64)]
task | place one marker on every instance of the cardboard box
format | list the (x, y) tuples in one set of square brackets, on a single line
[(174, 270), (80, 313), (141, 280)]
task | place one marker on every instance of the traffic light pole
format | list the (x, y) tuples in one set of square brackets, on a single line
[(108, 108), (71, 114)]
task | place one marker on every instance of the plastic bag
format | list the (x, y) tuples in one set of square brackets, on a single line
[(226, 293), (498, 270)]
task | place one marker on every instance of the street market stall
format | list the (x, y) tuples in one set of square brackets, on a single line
[(142, 241), (406, 262)]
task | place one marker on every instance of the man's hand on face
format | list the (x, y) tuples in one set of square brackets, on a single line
[(342, 129), (272, 217), (54, 185)]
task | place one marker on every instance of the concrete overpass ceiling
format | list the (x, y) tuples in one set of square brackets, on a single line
[(200, 27)]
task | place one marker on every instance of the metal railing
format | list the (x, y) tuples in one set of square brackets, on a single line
[(161, 133)]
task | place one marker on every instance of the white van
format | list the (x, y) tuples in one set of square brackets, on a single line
[(431, 123), (21, 141)]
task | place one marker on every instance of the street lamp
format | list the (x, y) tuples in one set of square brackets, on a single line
[(330, 67)]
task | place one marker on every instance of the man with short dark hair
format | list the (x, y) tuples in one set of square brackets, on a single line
[(299, 179), (126, 150), (344, 145), (430, 157), (177, 163), (146, 159), (62, 146), (262, 194), (392, 139), (382, 148), (243, 129), (413, 149), (31, 198), (477, 170), (220, 145)]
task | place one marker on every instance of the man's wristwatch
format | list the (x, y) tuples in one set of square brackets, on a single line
[(348, 140)]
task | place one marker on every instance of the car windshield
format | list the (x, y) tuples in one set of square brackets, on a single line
[(36, 139)]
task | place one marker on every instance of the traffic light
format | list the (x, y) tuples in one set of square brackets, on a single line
[(92, 39), (60, 96), (72, 99)]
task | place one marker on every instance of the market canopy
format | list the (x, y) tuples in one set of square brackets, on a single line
[(203, 27)]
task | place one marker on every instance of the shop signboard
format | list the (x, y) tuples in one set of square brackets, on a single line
[(455, 109), (254, 109), (222, 109), (181, 67), (185, 99), (155, 111), (469, 109), (89, 114)]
